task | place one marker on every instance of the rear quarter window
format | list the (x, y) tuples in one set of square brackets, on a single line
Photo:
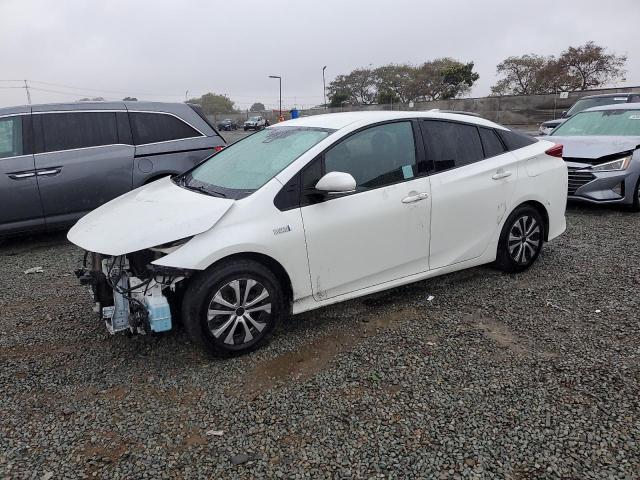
[(149, 127), (451, 144), (515, 140)]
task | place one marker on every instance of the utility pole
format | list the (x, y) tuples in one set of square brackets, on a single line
[(324, 88), (186, 96), (26, 87), (280, 82)]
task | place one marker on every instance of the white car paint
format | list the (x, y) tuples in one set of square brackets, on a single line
[(350, 246)]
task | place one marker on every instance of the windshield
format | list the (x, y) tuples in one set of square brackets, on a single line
[(603, 122), (585, 103), (247, 165), (254, 119)]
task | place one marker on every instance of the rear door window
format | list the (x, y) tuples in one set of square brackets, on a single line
[(70, 130), (159, 127), (491, 143), (450, 145), (514, 140), (11, 137)]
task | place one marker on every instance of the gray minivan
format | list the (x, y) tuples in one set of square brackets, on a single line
[(60, 161)]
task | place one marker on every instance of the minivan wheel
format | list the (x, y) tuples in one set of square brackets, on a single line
[(233, 307), (521, 240)]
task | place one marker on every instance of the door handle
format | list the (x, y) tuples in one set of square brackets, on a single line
[(415, 197), (52, 171), (501, 174), (20, 176)]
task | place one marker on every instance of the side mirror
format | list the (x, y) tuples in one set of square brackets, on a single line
[(334, 183), (564, 114)]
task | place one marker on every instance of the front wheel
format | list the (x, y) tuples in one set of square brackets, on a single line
[(233, 308), (521, 240), (635, 206)]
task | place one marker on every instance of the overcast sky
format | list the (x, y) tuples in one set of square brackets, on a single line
[(159, 49)]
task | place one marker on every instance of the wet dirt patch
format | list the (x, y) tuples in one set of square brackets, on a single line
[(502, 335), (313, 357)]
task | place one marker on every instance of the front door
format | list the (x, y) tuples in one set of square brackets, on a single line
[(21, 208), (80, 163), (378, 233)]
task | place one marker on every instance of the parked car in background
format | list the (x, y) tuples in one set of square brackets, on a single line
[(227, 124), (255, 123), (60, 161), (316, 211), (601, 150), (545, 128)]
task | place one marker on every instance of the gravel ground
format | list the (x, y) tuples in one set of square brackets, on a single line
[(528, 376)]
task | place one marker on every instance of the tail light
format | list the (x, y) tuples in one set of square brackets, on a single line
[(555, 151), (217, 148)]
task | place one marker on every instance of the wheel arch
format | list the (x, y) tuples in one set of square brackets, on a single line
[(541, 209), (269, 262)]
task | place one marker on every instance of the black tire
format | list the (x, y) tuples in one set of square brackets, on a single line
[(200, 299), (635, 206), (517, 252)]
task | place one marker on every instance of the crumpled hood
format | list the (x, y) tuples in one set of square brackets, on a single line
[(151, 215), (594, 147)]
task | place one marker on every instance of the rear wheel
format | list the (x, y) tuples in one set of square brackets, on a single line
[(233, 308), (521, 240)]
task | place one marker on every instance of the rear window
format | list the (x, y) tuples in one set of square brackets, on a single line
[(159, 127), (11, 136), (70, 130), (451, 144), (515, 140), (585, 103), (602, 122)]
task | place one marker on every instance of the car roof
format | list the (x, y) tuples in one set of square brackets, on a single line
[(106, 105), (336, 121), (613, 106)]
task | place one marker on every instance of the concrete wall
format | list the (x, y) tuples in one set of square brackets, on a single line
[(513, 110)]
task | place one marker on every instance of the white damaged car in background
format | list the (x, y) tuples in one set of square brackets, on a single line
[(315, 211)]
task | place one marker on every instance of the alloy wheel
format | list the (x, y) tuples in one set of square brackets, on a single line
[(524, 239), (239, 311)]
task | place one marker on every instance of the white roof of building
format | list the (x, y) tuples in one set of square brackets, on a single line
[(337, 121)]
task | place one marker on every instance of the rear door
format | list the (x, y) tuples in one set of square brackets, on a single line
[(19, 197), (83, 159), (469, 191)]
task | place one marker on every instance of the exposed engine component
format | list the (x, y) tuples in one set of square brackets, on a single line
[(129, 292)]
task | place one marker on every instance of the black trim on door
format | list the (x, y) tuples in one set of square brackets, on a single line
[(291, 195)]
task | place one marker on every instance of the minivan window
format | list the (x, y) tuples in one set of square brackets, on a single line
[(491, 143), (248, 164), (377, 156), (151, 127), (69, 130), (451, 144), (11, 136)]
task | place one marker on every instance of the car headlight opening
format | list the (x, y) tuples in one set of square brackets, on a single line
[(614, 165)]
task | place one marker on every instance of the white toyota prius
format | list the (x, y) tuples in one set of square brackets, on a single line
[(315, 211)]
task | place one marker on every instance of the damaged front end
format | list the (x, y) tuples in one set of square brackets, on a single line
[(130, 293)]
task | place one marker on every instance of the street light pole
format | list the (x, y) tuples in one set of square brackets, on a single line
[(324, 88), (280, 82)]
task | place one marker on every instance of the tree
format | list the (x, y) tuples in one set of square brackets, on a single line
[(257, 107), (394, 82), (338, 99), (521, 75), (358, 86), (442, 79), (386, 97), (129, 99), (592, 66), (577, 68), (213, 103)]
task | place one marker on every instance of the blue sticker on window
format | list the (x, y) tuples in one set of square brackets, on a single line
[(407, 171)]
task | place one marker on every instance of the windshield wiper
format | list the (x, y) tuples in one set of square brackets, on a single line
[(206, 191)]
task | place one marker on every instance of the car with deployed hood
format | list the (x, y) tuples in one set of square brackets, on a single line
[(315, 211), (600, 147), (545, 128)]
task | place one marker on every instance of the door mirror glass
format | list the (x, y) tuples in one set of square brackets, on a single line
[(336, 182)]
